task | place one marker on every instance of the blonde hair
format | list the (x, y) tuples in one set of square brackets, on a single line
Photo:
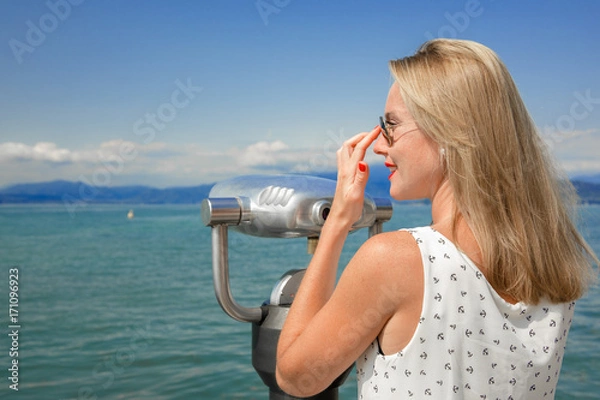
[(506, 187)]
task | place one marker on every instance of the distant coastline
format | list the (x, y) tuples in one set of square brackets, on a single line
[(61, 191)]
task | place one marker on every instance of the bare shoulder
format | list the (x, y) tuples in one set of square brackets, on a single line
[(390, 258), (392, 248)]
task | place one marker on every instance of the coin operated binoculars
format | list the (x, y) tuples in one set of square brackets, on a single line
[(275, 206)]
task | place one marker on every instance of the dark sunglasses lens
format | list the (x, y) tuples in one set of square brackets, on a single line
[(385, 132)]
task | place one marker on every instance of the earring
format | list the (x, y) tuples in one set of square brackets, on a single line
[(442, 152)]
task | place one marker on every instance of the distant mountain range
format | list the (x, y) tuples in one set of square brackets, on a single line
[(64, 191), (587, 178), (61, 191)]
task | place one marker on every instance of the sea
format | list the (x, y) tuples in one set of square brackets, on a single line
[(95, 305)]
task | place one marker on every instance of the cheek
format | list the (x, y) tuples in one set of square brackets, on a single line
[(418, 175)]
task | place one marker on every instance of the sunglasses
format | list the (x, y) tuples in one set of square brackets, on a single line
[(386, 131)]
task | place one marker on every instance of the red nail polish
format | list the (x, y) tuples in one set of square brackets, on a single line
[(362, 167)]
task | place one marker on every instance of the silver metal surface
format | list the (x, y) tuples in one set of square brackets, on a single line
[(384, 209), (284, 206), (220, 258), (285, 289), (226, 210), (384, 212)]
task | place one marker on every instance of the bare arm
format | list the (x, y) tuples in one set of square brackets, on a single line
[(327, 329)]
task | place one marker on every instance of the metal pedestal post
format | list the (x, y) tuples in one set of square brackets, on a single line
[(265, 336)]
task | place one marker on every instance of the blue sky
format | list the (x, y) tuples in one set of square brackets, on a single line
[(171, 93)]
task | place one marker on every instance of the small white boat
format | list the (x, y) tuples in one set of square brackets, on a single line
[(130, 214)]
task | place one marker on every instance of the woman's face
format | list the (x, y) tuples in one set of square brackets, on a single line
[(414, 159)]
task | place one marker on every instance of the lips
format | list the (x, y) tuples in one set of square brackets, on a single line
[(392, 168)]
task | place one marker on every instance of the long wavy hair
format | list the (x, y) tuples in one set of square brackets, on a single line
[(520, 207)]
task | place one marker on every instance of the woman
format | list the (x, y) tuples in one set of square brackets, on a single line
[(477, 305)]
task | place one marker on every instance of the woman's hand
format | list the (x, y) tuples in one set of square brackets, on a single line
[(353, 173)]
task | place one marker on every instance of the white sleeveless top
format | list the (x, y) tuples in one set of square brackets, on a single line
[(470, 343)]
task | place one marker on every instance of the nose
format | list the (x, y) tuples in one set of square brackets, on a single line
[(381, 146)]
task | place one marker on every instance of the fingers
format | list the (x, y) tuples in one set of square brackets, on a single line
[(363, 139), (353, 152), (363, 174), (353, 174), (350, 157), (356, 147)]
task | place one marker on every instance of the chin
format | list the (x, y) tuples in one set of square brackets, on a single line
[(400, 194), (397, 194)]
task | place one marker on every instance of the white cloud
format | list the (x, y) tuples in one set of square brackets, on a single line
[(118, 162), (581, 167), (578, 152), (50, 152), (121, 162), (271, 155), (263, 154), (41, 151), (306, 159)]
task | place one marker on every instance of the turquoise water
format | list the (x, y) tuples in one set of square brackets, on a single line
[(111, 308)]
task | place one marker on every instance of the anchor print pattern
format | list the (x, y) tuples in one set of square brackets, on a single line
[(469, 342)]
